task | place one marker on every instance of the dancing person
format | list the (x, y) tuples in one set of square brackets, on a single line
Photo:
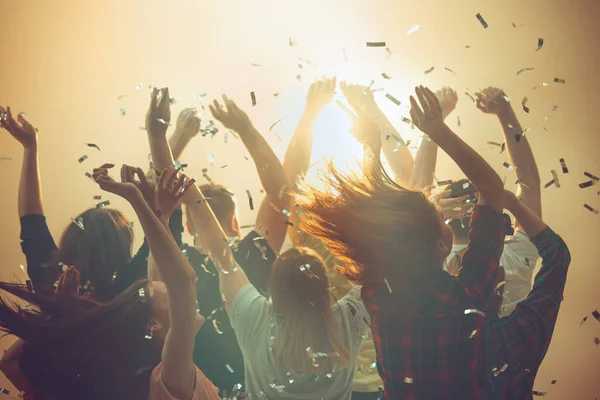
[(74, 345), (217, 352), (394, 241), (516, 344)]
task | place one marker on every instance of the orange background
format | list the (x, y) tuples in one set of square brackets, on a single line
[(65, 62)]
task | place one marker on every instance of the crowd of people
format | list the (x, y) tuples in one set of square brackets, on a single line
[(378, 286)]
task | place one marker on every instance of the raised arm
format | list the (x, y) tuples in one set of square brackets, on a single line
[(30, 190), (399, 157), (272, 177), (532, 323), (426, 158), (177, 274), (429, 120), (494, 101), (297, 156)]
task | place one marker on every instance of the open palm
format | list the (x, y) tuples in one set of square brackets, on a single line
[(20, 129)]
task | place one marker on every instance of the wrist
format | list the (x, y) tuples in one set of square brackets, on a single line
[(506, 112), (30, 149)]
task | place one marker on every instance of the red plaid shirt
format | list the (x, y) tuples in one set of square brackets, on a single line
[(429, 341)]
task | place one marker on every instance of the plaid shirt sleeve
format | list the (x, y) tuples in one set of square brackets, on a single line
[(528, 330), (481, 261)]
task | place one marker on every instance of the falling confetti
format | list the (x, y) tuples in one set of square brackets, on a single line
[(97, 197), (458, 121), (408, 380), (93, 145), (550, 183), (392, 99), (162, 121), (89, 175), (103, 204), (481, 20), (563, 165), (82, 158), (430, 70), (555, 176), (200, 95), (255, 65), (389, 52), (594, 177), (389, 288), (597, 340), (375, 44), (586, 184), (558, 80), (524, 104), (540, 44), (275, 123), (519, 72), (583, 320), (216, 326), (386, 76), (536, 393), (592, 209), (253, 98), (78, 222), (413, 29), (474, 311), (553, 382), (229, 368), (292, 43), (123, 111), (596, 314), (6, 159), (345, 55), (509, 166), (139, 86), (448, 69), (497, 371), (250, 201), (406, 120)]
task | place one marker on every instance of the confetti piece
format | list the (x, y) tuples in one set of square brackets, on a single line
[(550, 183), (292, 43), (392, 99), (4, 391), (444, 183), (200, 95), (162, 121), (448, 69), (430, 70), (275, 123), (229, 368), (250, 201), (515, 25), (103, 204), (216, 326), (596, 340), (6, 159), (93, 145), (519, 72), (583, 320), (413, 29), (375, 44), (386, 76), (253, 98), (89, 175), (255, 65), (594, 177), (474, 311), (79, 222), (471, 97), (558, 80), (406, 120), (497, 371), (97, 197), (481, 20), (553, 382), (509, 166), (536, 393), (82, 158), (458, 121), (345, 55), (587, 206), (389, 288), (596, 314), (540, 44), (139, 86), (524, 104), (408, 380), (123, 111), (543, 84), (563, 165), (527, 261), (555, 176), (389, 52)]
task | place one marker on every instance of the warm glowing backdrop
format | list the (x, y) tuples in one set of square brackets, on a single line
[(65, 63)]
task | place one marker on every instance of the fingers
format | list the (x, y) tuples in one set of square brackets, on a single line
[(127, 174), (415, 111), (167, 177), (154, 98), (141, 176), (101, 172), (433, 101), (164, 100), (480, 105)]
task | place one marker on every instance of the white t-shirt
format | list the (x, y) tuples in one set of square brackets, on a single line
[(518, 258), (253, 320)]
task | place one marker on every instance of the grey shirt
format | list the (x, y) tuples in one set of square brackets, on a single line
[(253, 320)]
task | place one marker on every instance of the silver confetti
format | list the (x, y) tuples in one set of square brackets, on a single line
[(82, 158), (79, 222), (388, 285), (413, 29), (474, 311), (123, 111), (519, 72)]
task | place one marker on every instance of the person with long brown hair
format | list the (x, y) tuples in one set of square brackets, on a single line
[(394, 241), (138, 345)]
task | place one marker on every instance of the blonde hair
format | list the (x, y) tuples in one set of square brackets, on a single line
[(299, 290), (375, 227)]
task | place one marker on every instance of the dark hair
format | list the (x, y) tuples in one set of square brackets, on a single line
[(99, 250), (77, 348), (458, 188), (220, 200), (299, 289), (375, 227)]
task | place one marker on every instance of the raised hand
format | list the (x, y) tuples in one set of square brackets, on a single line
[(452, 208), (428, 116), (320, 94), (158, 116), (448, 100), (145, 186), (171, 187), (68, 283), (20, 129), (188, 123), (124, 189), (360, 98), (492, 101), (231, 116)]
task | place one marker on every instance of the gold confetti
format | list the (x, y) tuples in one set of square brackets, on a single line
[(375, 44), (253, 98), (430, 70), (275, 123), (519, 72)]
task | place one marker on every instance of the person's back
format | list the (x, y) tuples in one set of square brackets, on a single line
[(285, 357)]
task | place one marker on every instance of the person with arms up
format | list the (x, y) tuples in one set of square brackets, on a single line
[(394, 241), (74, 345)]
